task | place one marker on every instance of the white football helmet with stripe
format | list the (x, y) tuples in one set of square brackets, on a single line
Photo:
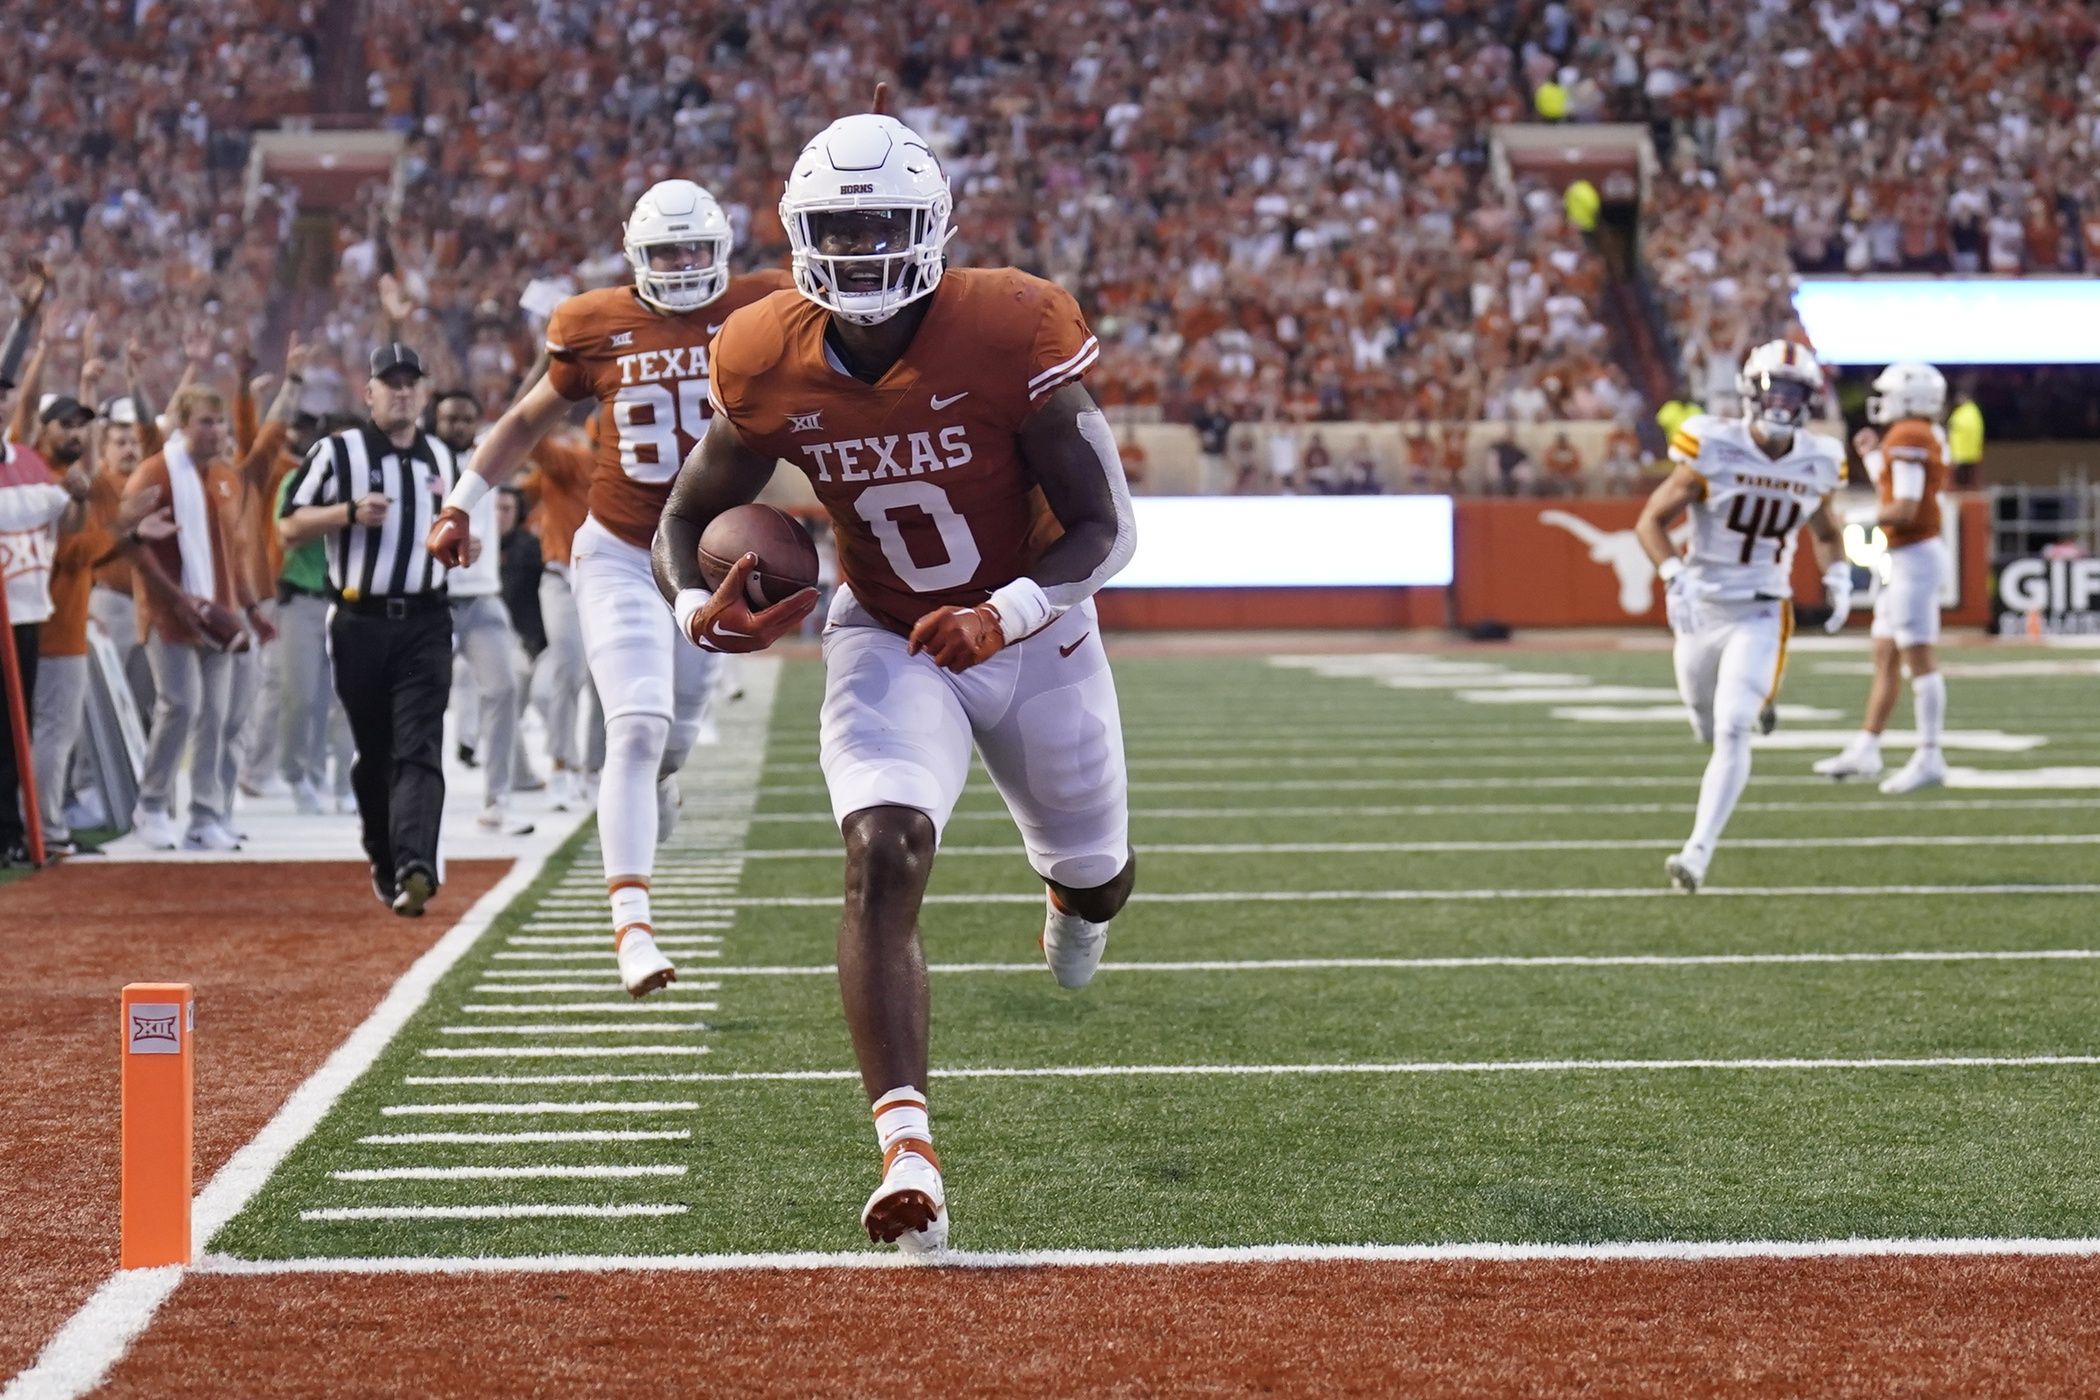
[(1907, 389), (1779, 384), (866, 211), (672, 214)]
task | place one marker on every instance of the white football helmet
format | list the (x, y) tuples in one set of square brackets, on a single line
[(1907, 389), (1779, 383), (678, 212), (870, 189)]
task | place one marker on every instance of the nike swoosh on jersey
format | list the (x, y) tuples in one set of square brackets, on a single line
[(717, 326), (1067, 651), (940, 403)]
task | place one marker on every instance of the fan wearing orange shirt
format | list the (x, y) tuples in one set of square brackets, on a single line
[(979, 501), (641, 352)]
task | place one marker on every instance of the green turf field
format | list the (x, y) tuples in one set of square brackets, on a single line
[(1368, 992)]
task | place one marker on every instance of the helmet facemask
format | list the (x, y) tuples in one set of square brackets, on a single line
[(680, 274), (1776, 402), (866, 262)]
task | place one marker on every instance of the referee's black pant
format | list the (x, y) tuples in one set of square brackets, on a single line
[(394, 674)]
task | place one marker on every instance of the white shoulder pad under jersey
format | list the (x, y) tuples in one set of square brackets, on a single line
[(1745, 526)]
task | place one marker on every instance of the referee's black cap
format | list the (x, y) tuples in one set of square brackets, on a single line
[(396, 357)]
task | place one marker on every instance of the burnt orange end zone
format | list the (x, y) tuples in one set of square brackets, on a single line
[(286, 960), (1965, 1326)]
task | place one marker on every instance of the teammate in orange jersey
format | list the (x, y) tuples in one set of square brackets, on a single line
[(979, 502), (1908, 462), (641, 351)]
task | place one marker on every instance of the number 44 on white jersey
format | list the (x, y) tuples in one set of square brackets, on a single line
[(1747, 522)]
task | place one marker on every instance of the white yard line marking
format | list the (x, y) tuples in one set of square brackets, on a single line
[(676, 989), (1510, 961), (1520, 809), (419, 1080), (565, 1008), (1298, 848), (597, 903), (599, 932), (1576, 754), (563, 1052), (529, 1110), (1521, 782), (521, 1212), (1630, 1251), (660, 905), (584, 1173), (604, 940), (1402, 1067), (76, 1359), (505, 1139), (587, 1028), (1415, 896), (1258, 737), (598, 957), (2024, 779)]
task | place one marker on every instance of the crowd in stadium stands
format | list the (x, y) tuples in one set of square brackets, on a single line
[(1329, 250), (1848, 136), (1280, 214), (124, 133)]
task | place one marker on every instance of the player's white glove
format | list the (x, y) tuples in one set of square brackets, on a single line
[(1837, 591), (1677, 605)]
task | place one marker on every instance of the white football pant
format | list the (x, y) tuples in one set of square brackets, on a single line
[(1729, 664), (654, 686), (898, 732)]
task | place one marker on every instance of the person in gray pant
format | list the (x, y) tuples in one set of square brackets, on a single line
[(311, 722), (481, 627)]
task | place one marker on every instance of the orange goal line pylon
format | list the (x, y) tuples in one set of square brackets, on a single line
[(159, 1024)]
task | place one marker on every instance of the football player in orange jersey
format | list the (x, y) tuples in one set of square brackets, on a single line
[(641, 351), (979, 502), (1908, 462)]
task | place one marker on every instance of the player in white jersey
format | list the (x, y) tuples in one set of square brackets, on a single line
[(1750, 484)]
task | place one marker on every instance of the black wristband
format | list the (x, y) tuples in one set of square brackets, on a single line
[(350, 507)]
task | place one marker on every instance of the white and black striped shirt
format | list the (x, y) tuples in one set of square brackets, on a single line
[(386, 560)]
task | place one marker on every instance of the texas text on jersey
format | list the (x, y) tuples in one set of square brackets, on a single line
[(1748, 519), (920, 471), (649, 371)]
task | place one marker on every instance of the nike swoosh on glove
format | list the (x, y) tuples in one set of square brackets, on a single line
[(958, 638), (725, 621), (447, 540)]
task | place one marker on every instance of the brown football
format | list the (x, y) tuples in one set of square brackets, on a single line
[(787, 556)]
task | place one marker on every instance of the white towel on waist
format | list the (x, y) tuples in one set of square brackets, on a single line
[(192, 521)]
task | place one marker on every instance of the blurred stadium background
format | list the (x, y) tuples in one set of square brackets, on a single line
[(1329, 248), (1428, 282)]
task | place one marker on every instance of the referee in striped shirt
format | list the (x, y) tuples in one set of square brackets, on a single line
[(372, 491)]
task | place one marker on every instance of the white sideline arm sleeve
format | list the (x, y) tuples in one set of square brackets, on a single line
[(1909, 482)]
